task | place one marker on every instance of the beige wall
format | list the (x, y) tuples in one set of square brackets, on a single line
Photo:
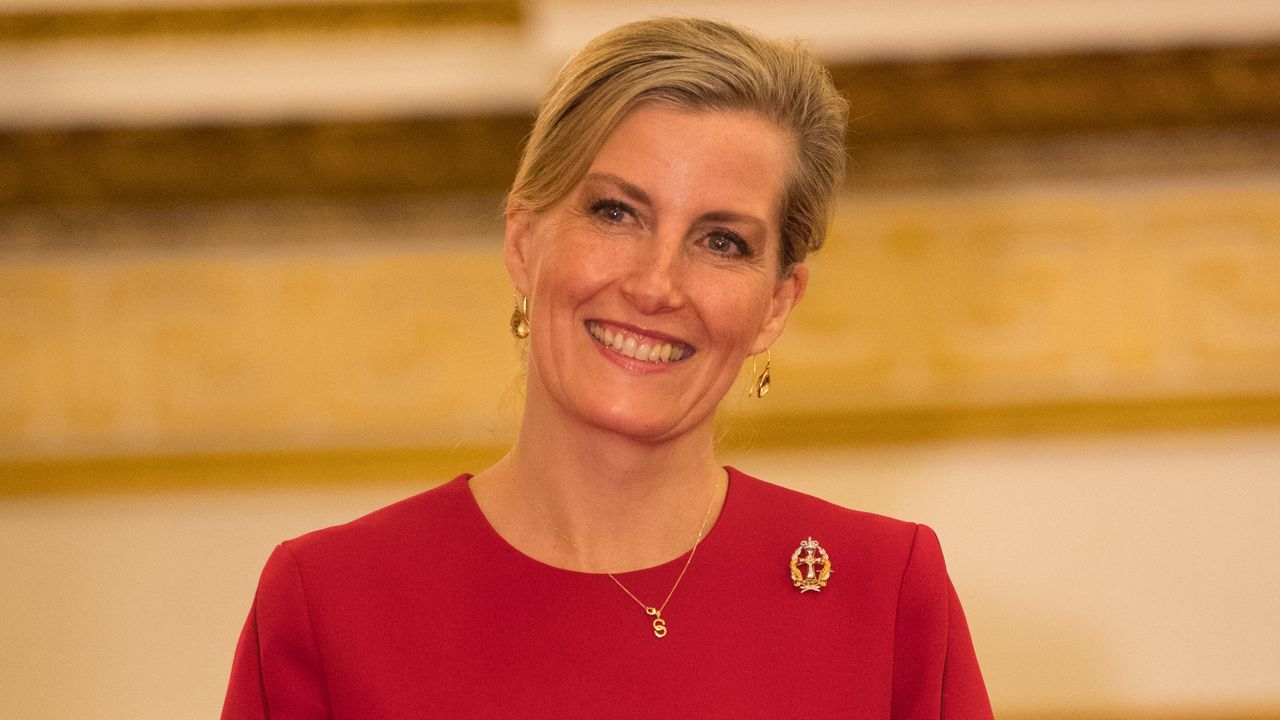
[(1122, 575), (1129, 575)]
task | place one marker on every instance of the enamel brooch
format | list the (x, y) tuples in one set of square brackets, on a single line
[(817, 566)]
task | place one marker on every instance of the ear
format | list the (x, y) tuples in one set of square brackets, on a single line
[(789, 291), (515, 247)]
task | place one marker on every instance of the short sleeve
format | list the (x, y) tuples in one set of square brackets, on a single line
[(277, 671), (935, 670)]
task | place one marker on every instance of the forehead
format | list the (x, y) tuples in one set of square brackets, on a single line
[(695, 157)]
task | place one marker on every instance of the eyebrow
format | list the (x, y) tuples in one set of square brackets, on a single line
[(725, 216), (636, 193)]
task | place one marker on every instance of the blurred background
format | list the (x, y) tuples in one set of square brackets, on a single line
[(250, 285)]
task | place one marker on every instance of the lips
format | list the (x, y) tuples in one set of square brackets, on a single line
[(637, 346)]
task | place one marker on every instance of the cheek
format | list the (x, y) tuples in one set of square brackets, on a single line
[(737, 316), (575, 266)]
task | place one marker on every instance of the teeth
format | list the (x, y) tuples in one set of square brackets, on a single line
[(629, 346)]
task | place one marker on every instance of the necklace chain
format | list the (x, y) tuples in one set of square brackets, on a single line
[(659, 623)]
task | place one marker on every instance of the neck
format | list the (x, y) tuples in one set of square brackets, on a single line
[(589, 499)]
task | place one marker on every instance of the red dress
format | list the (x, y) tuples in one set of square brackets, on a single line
[(421, 610)]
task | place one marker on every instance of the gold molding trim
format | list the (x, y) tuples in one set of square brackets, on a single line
[(142, 473), (1038, 95), (960, 162), (911, 425), (345, 160), (255, 18), (88, 170), (454, 220), (953, 123), (930, 315)]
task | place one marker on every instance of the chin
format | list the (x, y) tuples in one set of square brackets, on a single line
[(645, 427)]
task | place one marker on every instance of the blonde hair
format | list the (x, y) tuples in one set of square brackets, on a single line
[(697, 65)]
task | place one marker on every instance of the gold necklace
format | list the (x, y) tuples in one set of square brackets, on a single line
[(659, 623)]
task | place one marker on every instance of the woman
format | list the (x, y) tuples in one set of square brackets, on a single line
[(678, 173)]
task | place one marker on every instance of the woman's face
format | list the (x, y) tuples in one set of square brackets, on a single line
[(657, 275)]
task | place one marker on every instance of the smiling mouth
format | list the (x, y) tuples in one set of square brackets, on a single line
[(637, 347)]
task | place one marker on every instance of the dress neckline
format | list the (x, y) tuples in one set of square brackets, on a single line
[(498, 543)]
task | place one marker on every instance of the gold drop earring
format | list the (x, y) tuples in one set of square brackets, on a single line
[(760, 383), (520, 319)]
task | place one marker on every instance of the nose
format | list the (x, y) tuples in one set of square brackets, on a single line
[(655, 281)]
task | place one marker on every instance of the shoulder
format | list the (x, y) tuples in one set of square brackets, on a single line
[(788, 510), (881, 547), (403, 530)]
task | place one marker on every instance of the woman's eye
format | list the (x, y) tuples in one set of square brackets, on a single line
[(726, 243), (611, 210)]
